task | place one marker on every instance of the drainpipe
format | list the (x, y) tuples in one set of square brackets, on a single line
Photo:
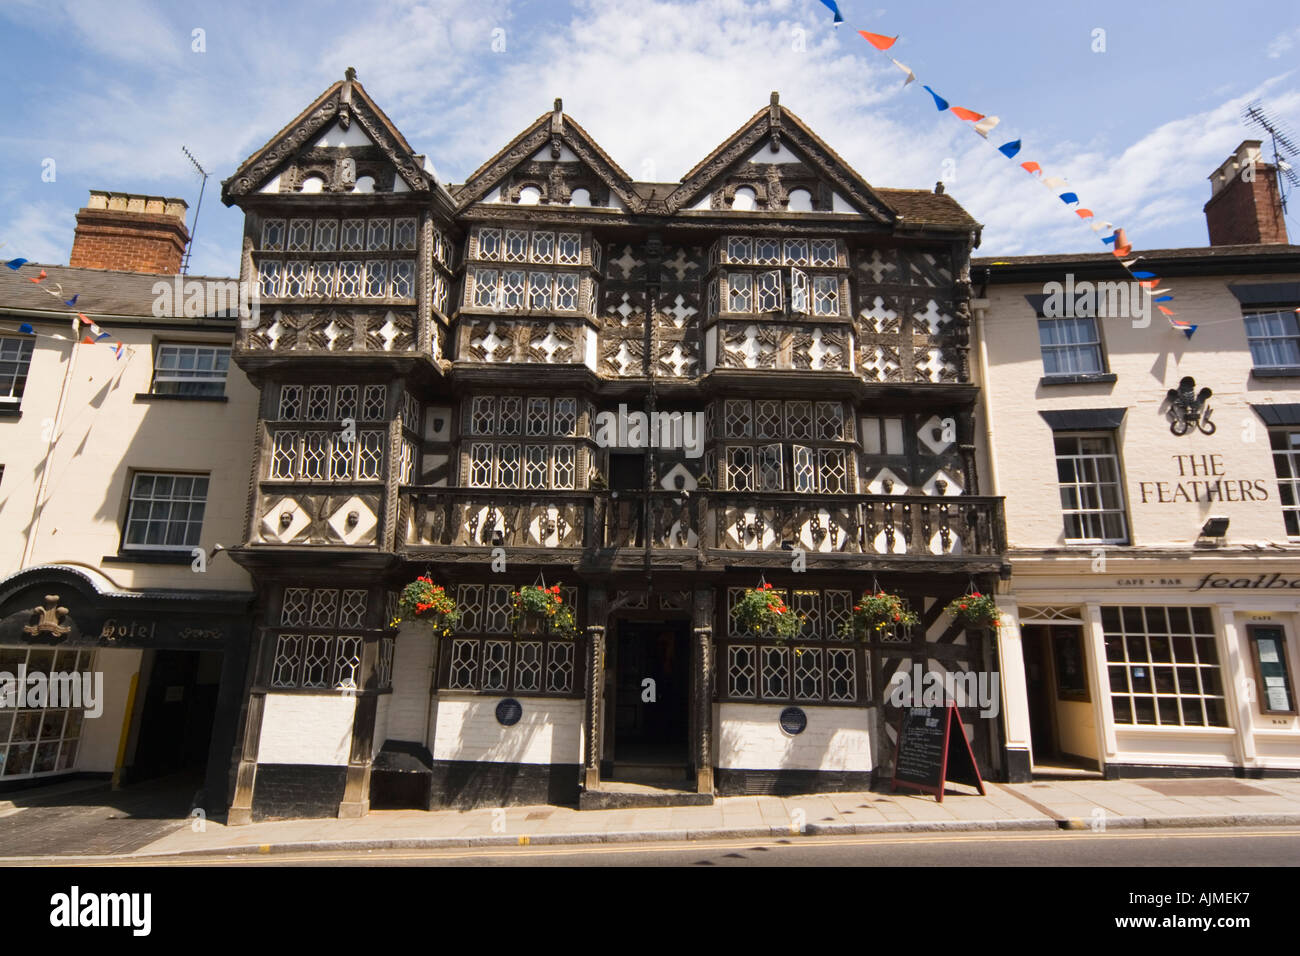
[(978, 307)]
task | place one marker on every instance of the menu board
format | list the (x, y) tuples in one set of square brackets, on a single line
[(932, 748), (1268, 647)]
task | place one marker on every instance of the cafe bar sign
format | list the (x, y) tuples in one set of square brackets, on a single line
[(1216, 581)]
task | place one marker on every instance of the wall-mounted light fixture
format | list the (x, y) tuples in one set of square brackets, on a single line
[(1214, 527)]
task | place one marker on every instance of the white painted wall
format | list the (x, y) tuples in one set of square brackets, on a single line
[(101, 736), (466, 728), (1148, 362), (104, 434), (749, 737), (307, 729)]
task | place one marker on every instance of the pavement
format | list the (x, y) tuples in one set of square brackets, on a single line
[(31, 827)]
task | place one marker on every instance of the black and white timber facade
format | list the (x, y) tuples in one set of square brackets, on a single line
[(432, 360)]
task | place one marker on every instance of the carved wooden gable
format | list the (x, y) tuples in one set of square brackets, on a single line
[(553, 162), (342, 143), (776, 164)]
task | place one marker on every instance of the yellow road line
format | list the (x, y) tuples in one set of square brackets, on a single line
[(462, 853)]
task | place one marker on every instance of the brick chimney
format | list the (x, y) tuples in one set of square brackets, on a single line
[(130, 233), (1245, 207)]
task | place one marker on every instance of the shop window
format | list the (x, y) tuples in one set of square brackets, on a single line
[(1163, 664), (43, 740), (1092, 497)]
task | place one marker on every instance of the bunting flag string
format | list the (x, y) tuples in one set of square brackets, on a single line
[(839, 18), (56, 290), (1114, 237)]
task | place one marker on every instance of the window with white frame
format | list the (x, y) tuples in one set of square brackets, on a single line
[(1092, 496), (492, 283), (1163, 664), (805, 276), (165, 511), (15, 359), (763, 447), (319, 455), (1285, 443), (516, 441), (1070, 346), (200, 370), (327, 258), (1274, 338), (324, 403), (539, 246)]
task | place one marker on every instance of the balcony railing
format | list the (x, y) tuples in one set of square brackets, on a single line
[(901, 526)]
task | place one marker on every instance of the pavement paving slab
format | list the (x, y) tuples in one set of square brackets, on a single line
[(142, 822)]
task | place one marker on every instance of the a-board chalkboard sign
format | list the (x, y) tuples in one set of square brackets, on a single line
[(932, 748)]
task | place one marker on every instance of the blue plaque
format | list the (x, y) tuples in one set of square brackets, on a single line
[(509, 711), (794, 720)]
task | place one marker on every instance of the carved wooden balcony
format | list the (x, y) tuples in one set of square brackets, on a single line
[(704, 529), (483, 518), (894, 526)]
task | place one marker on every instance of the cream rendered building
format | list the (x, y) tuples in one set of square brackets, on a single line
[(120, 475), (1151, 618)]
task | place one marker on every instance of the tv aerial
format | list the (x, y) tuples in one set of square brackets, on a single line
[(189, 246), (1286, 152)]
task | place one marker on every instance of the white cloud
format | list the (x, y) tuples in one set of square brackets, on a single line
[(39, 231), (1282, 43)]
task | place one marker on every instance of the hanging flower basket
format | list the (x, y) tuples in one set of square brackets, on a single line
[(761, 610), (538, 609), (975, 610), (429, 604), (881, 615)]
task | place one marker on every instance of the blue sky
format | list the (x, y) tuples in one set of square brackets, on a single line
[(111, 90)]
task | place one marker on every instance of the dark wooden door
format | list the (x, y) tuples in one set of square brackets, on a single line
[(652, 690)]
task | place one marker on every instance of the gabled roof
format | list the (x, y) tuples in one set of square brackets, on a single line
[(554, 129), (775, 124), (344, 102)]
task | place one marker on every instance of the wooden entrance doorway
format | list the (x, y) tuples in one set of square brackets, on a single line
[(651, 671), (1062, 716)]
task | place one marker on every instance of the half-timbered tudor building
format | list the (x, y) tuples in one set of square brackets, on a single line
[(435, 364)]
